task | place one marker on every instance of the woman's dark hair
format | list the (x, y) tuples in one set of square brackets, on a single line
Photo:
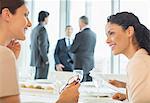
[(12, 5), (42, 16), (126, 19)]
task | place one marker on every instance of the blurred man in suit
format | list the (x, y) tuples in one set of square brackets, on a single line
[(40, 47), (83, 47), (63, 58)]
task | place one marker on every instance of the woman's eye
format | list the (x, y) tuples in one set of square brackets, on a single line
[(111, 33), (26, 15)]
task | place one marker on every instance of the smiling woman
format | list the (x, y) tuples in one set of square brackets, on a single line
[(20, 15), (119, 41), (13, 24), (126, 35)]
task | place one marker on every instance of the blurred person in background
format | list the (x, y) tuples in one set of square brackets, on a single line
[(40, 47), (63, 57), (83, 48)]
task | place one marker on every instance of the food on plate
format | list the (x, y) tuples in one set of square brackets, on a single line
[(30, 86), (49, 88), (23, 86), (38, 87)]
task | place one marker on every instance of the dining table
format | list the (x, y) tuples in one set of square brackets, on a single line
[(89, 93)]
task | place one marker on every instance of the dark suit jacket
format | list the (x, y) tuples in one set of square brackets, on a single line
[(39, 46), (63, 56), (83, 47)]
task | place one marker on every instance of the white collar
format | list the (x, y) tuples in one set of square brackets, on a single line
[(87, 26), (67, 37)]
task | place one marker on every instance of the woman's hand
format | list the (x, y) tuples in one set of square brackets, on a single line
[(117, 83), (70, 94), (119, 96), (15, 47)]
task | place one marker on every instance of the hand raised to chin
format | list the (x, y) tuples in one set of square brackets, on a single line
[(15, 46)]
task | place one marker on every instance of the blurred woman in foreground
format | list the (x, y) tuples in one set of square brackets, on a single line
[(13, 24)]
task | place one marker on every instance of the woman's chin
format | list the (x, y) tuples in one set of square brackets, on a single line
[(115, 53), (22, 38)]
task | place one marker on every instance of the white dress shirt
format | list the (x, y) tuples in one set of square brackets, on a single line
[(84, 28), (67, 41)]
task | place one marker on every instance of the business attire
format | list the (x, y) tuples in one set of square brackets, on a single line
[(39, 51), (8, 73), (83, 48), (62, 54), (138, 77)]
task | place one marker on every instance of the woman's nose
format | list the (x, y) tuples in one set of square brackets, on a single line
[(29, 23), (108, 40)]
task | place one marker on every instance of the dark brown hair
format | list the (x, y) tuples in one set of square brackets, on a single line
[(141, 32), (12, 5), (42, 16)]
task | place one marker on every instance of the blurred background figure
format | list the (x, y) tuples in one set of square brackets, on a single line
[(40, 47), (83, 47), (63, 57)]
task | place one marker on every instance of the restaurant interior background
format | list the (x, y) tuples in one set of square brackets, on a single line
[(63, 12)]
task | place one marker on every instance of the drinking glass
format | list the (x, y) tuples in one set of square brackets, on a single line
[(98, 82), (79, 73), (77, 77), (74, 79)]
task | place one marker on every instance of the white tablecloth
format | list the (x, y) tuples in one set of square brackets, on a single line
[(88, 94)]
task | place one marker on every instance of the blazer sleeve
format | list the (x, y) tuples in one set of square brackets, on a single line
[(56, 53), (42, 42), (76, 43)]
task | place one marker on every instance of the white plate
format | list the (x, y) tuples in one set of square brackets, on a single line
[(43, 81), (108, 77), (101, 95), (116, 89), (30, 90), (87, 84)]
